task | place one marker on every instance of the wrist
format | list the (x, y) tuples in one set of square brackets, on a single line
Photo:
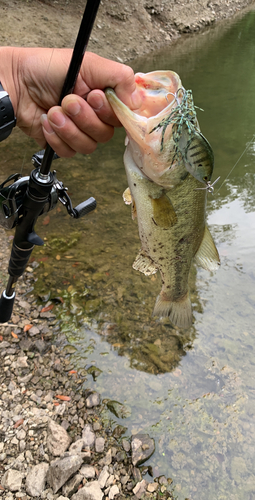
[(8, 74)]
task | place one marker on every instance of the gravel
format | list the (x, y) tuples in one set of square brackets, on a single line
[(53, 443)]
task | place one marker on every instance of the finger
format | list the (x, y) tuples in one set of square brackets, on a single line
[(99, 128), (67, 134), (59, 146), (98, 102), (100, 73)]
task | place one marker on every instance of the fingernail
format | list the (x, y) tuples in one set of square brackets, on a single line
[(57, 119), (73, 108), (46, 125), (136, 99), (95, 101)]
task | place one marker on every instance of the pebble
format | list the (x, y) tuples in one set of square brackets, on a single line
[(99, 444), (62, 469), (36, 479), (88, 436), (12, 480), (58, 439)]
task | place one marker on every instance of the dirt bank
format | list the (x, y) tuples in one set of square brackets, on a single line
[(124, 29)]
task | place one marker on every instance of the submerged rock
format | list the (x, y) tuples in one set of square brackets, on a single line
[(142, 448)]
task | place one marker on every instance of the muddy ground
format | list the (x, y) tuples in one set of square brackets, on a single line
[(124, 29)]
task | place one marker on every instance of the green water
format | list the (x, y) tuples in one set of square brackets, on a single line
[(194, 392)]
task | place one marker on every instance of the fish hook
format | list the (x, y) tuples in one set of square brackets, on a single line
[(209, 187), (174, 95)]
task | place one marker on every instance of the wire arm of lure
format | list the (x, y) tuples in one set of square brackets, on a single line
[(209, 187)]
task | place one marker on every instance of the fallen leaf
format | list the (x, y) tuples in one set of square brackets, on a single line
[(55, 403), (1, 487), (58, 257), (27, 327), (63, 398), (18, 423), (1, 338), (15, 336), (48, 308), (72, 371), (46, 220), (43, 259)]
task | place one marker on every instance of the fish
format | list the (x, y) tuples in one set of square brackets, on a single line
[(165, 199)]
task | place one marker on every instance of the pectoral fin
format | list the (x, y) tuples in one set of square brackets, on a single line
[(144, 264), (163, 212), (127, 197), (207, 255)]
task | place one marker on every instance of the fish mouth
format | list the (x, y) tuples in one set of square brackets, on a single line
[(160, 92)]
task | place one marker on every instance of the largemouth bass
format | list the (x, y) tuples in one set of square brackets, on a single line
[(169, 208)]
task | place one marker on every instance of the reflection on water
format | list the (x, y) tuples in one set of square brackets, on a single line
[(193, 391)]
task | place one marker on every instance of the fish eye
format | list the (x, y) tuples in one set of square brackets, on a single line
[(205, 178)]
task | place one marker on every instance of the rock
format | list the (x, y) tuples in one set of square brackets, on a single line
[(152, 487), (77, 446), (12, 480), (21, 362), (114, 490), (140, 488), (72, 485), (103, 476), (93, 400), (36, 478), (88, 471), (118, 409), (142, 448), (90, 491), (107, 460), (58, 440), (88, 436), (61, 470), (126, 445), (99, 444)]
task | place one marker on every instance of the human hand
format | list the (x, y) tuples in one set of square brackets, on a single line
[(34, 78)]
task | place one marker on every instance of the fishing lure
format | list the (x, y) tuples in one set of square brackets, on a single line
[(191, 146)]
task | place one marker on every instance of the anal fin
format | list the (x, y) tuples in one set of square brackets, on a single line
[(207, 255), (144, 264)]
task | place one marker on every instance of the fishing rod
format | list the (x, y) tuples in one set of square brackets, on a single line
[(23, 200)]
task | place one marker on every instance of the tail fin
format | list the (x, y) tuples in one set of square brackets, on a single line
[(179, 313)]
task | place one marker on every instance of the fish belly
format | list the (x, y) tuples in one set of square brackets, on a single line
[(171, 227)]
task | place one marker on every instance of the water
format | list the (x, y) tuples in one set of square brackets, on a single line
[(194, 392)]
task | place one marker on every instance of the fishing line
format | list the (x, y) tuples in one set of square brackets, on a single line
[(244, 151), (46, 74)]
